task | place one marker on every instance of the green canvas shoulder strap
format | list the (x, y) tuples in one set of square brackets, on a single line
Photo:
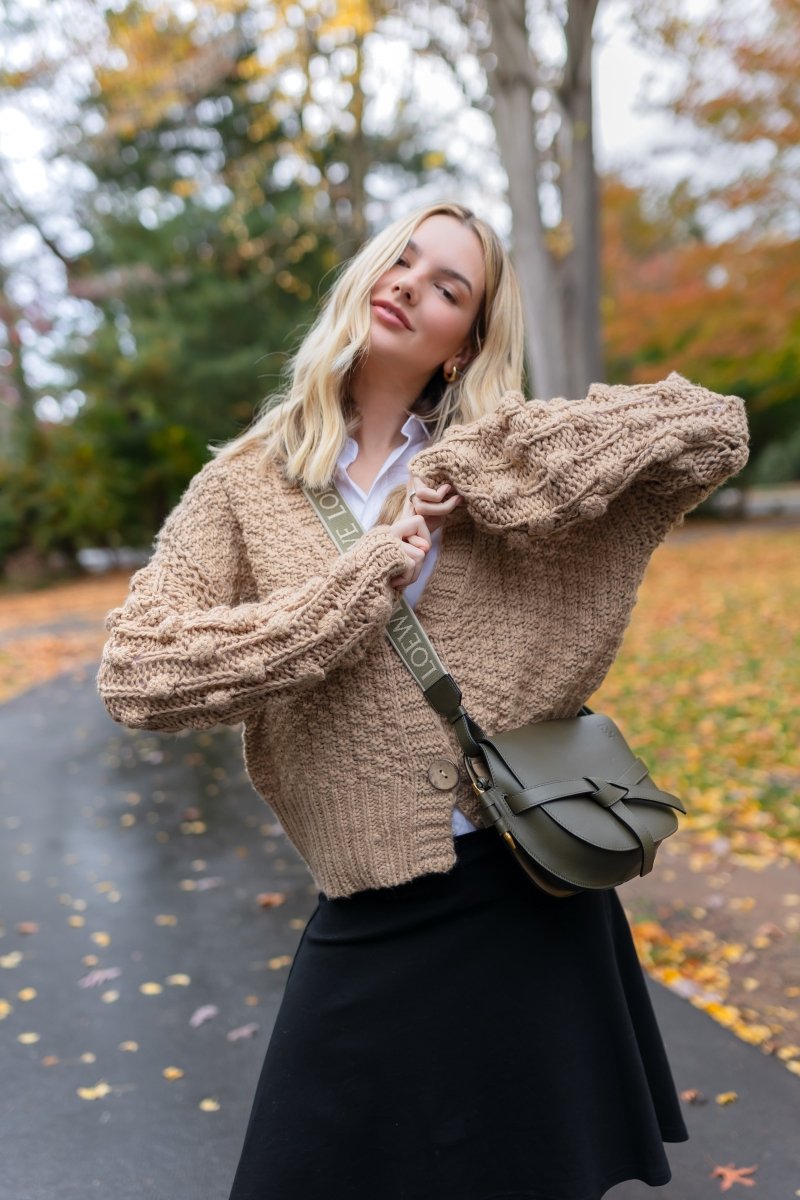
[(403, 630)]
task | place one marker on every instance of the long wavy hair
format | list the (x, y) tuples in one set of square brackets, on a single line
[(305, 425)]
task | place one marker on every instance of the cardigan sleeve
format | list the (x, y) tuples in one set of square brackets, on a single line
[(541, 466), (183, 653)]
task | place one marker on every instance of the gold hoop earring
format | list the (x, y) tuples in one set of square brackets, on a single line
[(452, 375)]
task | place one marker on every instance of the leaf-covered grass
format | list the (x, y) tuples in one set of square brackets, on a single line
[(707, 684)]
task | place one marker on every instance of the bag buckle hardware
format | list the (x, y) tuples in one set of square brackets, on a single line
[(479, 783)]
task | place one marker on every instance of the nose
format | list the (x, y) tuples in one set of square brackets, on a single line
[(404, 287)]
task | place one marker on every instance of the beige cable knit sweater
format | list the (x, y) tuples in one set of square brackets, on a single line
[(247, 612)]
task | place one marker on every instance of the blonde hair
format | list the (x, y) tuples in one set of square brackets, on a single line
[(306, 424)]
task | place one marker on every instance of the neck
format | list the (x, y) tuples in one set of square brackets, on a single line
[(383, 399)]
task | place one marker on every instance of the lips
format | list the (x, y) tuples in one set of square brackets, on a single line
[(394, 310)]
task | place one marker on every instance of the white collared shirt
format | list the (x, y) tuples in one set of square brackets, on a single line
[(366, 509), (394, 471)]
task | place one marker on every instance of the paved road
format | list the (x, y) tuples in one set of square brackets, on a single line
[(145, 855)]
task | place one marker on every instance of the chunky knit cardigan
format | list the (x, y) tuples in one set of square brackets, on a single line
[(247, 612)]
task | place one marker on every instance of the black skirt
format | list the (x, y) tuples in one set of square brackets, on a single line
[(463, 1036)]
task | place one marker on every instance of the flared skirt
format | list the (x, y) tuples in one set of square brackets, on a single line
[(462, 1036)]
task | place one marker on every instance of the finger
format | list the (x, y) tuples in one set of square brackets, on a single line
[(419, 528), (432, 494), (420, 487), (431, 509), (407, 527), (424, 531)]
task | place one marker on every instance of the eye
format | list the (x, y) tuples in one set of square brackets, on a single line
[(401, 262), (449, 295)]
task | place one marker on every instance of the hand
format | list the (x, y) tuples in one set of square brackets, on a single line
[(431, 503), (415, 539)]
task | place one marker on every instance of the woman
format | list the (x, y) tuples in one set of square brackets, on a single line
[(448, 1031)]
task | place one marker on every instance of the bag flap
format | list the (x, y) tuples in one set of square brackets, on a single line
[(589, 747), (598, 826), (562, 749)]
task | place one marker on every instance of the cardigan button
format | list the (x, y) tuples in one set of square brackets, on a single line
[(443, 774)]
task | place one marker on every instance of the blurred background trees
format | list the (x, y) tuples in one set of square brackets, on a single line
[(203, 167)]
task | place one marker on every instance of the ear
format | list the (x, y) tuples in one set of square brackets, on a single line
[(465, 354)]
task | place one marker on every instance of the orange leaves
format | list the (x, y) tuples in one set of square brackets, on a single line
[(38, 657), (30, 654), (98, 1092), (671, 297), (708, 683), (279, 961), (707, 686), (729, 1175), (687, 953), (82, 599)]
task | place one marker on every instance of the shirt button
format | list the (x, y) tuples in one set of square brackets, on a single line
[(443, 774)]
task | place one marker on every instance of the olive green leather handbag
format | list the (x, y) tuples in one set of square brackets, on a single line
[(569, 797)]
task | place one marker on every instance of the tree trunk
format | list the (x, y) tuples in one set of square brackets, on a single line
[(512, 80), (580, 204), (560, 286)]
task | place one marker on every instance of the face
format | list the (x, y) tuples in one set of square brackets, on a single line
[(424, 307)]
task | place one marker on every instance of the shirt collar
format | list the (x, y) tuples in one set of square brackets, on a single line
[(414, 429)]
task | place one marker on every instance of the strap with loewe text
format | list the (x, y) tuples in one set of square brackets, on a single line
[(403, 630)]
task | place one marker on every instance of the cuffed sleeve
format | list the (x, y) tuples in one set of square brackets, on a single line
[(183, 652), (540, 466)]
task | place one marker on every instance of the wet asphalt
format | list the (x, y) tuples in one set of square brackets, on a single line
[(138, 886)]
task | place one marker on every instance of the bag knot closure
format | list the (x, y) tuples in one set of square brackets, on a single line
[(607, 794)]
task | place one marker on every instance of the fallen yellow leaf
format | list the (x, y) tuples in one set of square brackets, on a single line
[(94, 1093)]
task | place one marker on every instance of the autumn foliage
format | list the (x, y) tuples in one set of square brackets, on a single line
[(725, 313)]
